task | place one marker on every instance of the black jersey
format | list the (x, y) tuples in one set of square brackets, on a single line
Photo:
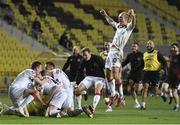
[(174, 69), (93, 67), (73, 62), (136, 61)]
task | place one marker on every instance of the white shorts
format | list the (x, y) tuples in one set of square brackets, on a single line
[(69, 102), (179, 87), (88, 81), (58, 99), (16, 95), (114, 59)]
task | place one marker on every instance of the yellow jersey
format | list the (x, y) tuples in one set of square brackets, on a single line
[(151, 62), (103, 54)]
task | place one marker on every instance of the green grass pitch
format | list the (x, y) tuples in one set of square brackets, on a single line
[(157, 112)]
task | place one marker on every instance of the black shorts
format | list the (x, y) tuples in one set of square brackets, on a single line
[(136, 77), (173, 82), (151, 77)]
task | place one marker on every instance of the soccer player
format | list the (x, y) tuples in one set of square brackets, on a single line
[(154, 64), (104, 53), (124, 29), (22, 91), (174, 73), (74, 62), (94, 66), (63, 97), (135, 58)]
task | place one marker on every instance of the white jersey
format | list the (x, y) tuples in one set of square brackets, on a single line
[(121, 37), (62, 78), (24, 79), (48, 86)]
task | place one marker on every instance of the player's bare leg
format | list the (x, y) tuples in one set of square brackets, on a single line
[(164, 91), (111, 83), (176, 99), (144, 95), (118, 80), (136, 88)]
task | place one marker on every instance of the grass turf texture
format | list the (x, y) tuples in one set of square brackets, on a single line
[(157, 112)]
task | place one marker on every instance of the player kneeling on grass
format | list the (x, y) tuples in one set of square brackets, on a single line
[(94, 66), (62, 99), (22, 91)]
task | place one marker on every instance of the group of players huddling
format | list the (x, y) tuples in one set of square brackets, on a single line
[(32, 83)]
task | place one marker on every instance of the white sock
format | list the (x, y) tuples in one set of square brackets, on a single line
[(112, 87), (177, 105), (96, 100), (121, 91), (170, 94), (162, 94), (78, 101), (136, 101), (54, 111), (28, 100), (143, 104)]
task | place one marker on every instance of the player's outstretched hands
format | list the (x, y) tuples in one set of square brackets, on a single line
[(103, 12)]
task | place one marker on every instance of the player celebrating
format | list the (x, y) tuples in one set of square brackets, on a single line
[(124, 29), (154, 64), (22, 91), (94, 66), (174, 73), (136, 74), (63, 96)]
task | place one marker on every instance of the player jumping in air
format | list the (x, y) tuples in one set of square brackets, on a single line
[(124, 29)]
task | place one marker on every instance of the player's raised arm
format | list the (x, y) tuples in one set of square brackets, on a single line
[(107, 17), (132, 16)]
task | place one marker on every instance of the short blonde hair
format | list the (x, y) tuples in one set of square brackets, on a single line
[(127, 16)]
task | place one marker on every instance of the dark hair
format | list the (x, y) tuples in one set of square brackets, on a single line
[(175, 44), (43, 72), (35, 64), (86, 50), (135, 42), (50, 64)]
